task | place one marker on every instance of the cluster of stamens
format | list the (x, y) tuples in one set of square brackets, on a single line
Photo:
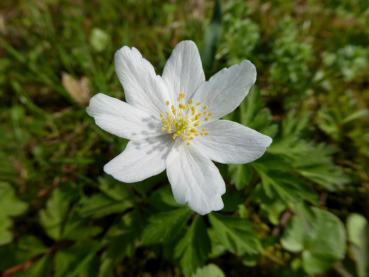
[(184, 119)]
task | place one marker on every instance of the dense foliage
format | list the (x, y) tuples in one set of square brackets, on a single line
[(302, 209)]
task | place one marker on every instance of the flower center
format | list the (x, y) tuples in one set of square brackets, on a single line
[(183, 120)]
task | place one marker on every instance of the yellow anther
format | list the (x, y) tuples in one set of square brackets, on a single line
[(181, 96), (182, 120), (193, 110)]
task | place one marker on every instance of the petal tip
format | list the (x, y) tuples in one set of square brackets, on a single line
[(251, 68), (108, 170), (187, 42), (268, 141), (93, 102), (215, 204)]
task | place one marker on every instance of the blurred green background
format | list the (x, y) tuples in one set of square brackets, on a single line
[(301, 210)]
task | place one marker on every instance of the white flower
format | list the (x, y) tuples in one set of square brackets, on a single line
[(173, 123)]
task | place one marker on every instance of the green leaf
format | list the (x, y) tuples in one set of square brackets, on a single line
[(241, 34), (273, 208), (164, 227), (41, 267), (358, 235), (120, 241), (212, 34), (311, 161), (100, 205), (76, 260), (235, 234), (314, 263), (163, 200), (320, 237), (193, 249), (277, 184), (115, 198), (60, 220), (119, 246), (114, 190), (240, 175), (356, 115), (24, 248), (5, 235), (254, 114), (53, 219), (209, 270), (10, 206)]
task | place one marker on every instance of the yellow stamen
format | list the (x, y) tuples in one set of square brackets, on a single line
[(182, 120)]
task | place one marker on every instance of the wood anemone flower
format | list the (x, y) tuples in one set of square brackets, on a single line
[(173, 123)]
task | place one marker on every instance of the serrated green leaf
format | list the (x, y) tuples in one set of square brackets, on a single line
[(311, 161), (164, 227), (235, 234), (193, 249), (240, 175), (118, 192), (232, 201), (60, 221), (100, 205), (120, 242), (41, 267), (254, 115), (209, 270), (54, 217), (10, 206), (217, 248), (20, 251), (30, 246), (273, 208), (76, 260), (286, 187), (5, 235), (163, 200)]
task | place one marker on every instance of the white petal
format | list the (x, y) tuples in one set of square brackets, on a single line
[(122, 119), (194, 179), (230, 142), (183, 71), (224, 92), (142, 87), (140, 160)]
